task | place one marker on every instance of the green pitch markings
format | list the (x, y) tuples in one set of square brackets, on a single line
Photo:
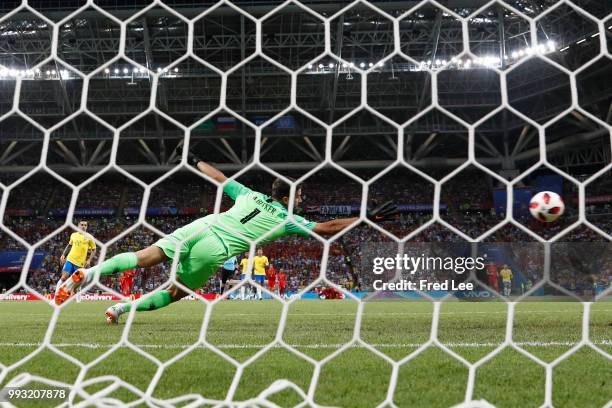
[(433, 371)]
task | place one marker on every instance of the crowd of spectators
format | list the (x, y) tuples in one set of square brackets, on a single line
[(581, 267), (31, 195), (31, 229), (173, 193), (406, 188), (103, 194), (469, 208)]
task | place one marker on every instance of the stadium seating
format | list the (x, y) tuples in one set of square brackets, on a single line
[(469, 210)]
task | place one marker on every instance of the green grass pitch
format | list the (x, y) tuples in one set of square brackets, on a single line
[(355, 378)]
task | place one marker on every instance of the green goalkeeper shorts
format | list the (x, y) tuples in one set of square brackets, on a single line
[(201, 252)]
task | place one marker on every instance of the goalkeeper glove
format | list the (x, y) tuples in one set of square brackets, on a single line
[(383, 211), (193, 159)]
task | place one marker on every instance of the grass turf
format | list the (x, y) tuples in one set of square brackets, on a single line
[(355, 378)]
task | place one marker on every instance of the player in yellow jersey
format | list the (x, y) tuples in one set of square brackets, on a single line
[(260, 262), (244, 272), (506, 275), (81, 243)]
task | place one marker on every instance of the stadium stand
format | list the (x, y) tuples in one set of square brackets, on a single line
[(469, 209)]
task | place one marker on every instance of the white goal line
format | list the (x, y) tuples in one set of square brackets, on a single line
[(366, 313), (313, 346)]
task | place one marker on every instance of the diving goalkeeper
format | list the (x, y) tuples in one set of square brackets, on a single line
[(206, 244)]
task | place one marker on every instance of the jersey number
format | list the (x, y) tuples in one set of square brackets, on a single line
[(251, 215)]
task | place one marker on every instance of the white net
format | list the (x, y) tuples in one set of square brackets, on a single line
[(474, 57)]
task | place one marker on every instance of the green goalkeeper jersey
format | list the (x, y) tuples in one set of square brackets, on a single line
[(206, 243), (252, 216)]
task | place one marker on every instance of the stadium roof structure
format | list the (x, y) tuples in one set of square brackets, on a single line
[(329, 87)]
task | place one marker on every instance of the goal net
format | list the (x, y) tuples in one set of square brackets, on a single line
[(457, 111)]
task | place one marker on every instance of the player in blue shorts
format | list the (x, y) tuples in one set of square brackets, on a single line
[(244, 273), (81, 243), (260, 263)]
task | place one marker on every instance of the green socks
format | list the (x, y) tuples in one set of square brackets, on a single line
[(118, 263), (129, 260), (156, 301)]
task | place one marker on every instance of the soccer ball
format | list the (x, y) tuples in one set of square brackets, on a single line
[(546, 206)]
